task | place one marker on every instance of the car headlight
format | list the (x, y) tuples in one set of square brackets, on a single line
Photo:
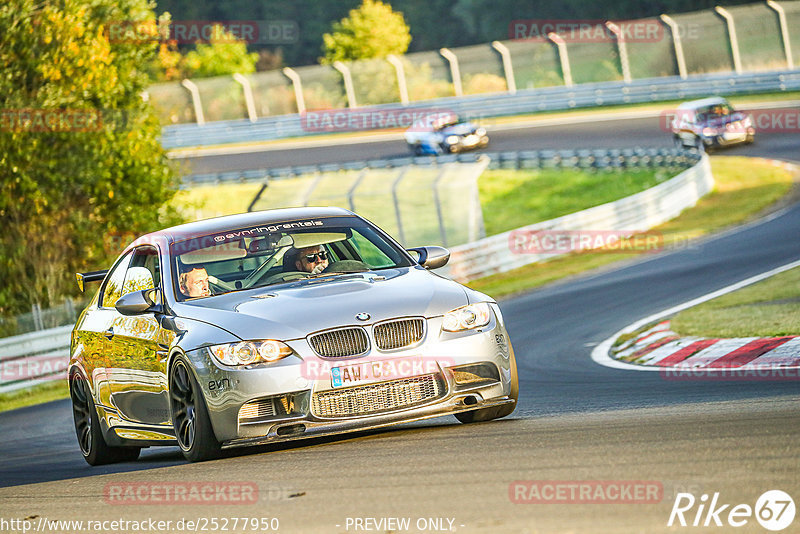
[(466, 317), (709, 132), (249, 352), (452, 139), (480, 131)]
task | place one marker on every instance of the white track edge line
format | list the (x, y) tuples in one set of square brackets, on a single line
[(600, 353)]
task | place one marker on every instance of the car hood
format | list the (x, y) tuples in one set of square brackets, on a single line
[(719, 122), (293, 310), (462, 128)]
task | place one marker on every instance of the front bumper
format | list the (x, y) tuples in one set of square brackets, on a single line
[(226, 390), (470, 142)]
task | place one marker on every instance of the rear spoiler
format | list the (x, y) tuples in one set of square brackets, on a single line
[(93, 276)]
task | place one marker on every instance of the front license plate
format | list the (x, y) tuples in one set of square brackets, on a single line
[(379, 370), (471, 140)]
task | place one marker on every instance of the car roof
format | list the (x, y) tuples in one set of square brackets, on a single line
[(710, 101), (242, 220)]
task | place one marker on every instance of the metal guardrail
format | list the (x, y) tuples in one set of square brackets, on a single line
[(496, 105), (34, 358), (636, 213), (599, 158)]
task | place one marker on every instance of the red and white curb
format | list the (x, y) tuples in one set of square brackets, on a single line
[(661, 349)]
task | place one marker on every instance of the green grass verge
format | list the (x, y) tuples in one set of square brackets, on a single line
[(46, 392), (744, 187), (768, 308), (512, 198)]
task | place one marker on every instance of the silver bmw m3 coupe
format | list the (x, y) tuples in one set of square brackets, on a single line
[(274, 326)]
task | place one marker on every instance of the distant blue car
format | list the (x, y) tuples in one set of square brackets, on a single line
[(445, 134)]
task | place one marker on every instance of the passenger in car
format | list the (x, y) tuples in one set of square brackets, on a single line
[(193, 282)]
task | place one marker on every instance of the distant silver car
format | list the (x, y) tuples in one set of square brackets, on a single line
[(444, 133), (710, 123), (214, 334)]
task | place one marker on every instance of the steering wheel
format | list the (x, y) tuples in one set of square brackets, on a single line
[(346, 266), (218, 284), (216, 289)]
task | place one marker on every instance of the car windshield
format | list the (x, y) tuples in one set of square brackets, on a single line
[(251, 257), (713, 112), (447, 124)]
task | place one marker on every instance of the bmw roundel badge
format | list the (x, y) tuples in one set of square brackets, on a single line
[(363, 316)]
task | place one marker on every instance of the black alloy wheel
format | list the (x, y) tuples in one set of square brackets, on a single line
[(93, 445), (190, 415)]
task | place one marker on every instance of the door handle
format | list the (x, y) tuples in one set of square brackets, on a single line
[(109, 333)]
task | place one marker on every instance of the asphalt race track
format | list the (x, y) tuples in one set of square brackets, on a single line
[(576, 420), (612, 133)]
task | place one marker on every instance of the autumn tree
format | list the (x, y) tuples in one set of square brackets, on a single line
[(223, 54), (373, 30), (80, 159)]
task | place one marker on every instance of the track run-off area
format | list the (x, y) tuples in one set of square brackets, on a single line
[(576, 421)]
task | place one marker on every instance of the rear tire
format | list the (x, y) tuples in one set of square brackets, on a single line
[(190, 415), (487, 414), (93, 445)]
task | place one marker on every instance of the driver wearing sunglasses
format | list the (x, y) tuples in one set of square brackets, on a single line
[(312, 259)]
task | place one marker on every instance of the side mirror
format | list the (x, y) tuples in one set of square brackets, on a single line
[(138, 302), (431, 257)]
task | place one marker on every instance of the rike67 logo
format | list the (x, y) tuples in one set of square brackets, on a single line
[(774, 510)]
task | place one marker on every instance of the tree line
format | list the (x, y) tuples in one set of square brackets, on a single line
[(433, 23)]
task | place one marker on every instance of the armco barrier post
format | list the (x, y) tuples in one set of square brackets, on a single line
[(455, 73), (36, 313), (622, 48), (248, 96), (198, 106), (298, 88), (508, 67), (734, 42), (677, 45), (563, 56), (787, 45), (348, 83), (401, 77)]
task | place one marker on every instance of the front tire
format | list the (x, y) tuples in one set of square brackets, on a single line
[(93, 445), (190, 415)]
